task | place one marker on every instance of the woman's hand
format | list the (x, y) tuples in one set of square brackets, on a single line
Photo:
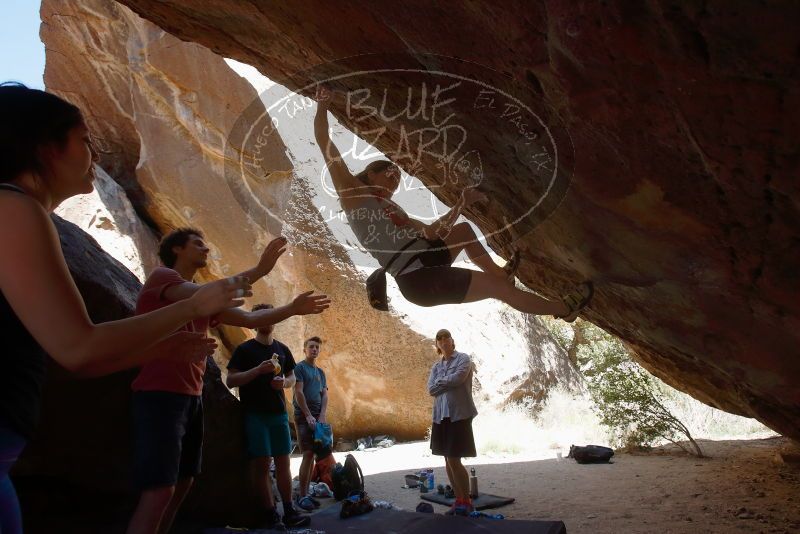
[(217, 296), (323, 96)]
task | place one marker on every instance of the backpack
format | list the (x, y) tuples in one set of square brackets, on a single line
[(590, 454), (347, 478)]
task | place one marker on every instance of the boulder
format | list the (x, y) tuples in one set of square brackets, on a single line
[(666, 129), (109, 217), (184, 101), (185, 104)]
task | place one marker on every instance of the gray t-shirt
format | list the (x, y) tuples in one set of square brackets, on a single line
[(314, 383), (450, 385), (382, 228)]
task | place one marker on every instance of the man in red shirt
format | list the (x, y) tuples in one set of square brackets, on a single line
[(167, 402)]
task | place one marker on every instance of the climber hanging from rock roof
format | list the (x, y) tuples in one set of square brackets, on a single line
[(420, 256)]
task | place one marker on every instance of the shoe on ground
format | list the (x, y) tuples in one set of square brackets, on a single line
[(463, 510), (272, 520), (295, 520), (321, 490), (314, 501), (305, 503)]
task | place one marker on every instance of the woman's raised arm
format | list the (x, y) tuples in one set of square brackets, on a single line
[(343, 180), (35, 280)]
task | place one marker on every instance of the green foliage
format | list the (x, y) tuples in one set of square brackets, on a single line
[(628, 400), (561, 331)]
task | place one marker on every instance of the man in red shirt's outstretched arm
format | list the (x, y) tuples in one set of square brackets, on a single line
[(167, 401)]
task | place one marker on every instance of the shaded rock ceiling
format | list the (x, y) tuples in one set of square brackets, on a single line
[(670, 129), (160, 109)]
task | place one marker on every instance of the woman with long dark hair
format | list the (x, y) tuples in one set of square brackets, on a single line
[(420, 256), (46, 156)]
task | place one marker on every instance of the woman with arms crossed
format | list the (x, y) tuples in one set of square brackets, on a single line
[(450, 385)]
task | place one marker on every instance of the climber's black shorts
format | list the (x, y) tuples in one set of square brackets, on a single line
[(437, 281)]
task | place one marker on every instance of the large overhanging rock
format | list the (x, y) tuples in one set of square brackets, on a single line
[(676, 126), (179, 101)]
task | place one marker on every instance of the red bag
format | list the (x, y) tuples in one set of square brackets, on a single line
[(323, 470)]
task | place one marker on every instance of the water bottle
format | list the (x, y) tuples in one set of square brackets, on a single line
[(473, 484), (423, 482), (431, 485)]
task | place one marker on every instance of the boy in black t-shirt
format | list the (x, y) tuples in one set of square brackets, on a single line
[(262, 368)]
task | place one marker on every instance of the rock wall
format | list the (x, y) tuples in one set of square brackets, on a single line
[(181, 175), (511, 350), (677, 125), (109, 217), (179, 101)]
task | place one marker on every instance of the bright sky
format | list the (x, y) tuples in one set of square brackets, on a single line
[(22, 57)]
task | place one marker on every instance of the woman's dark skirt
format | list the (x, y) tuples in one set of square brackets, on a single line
[(453, 439)]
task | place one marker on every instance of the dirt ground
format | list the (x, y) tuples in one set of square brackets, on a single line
[(740, 487)]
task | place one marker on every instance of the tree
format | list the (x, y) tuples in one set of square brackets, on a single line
[(629, 401)]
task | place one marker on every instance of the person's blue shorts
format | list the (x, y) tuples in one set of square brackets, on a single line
[(267, 434)]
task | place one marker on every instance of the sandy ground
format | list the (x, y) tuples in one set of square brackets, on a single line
[(739, 488)]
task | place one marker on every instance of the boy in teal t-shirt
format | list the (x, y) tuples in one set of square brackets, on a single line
[(310, 404)]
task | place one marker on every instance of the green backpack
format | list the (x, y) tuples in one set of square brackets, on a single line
[(347, 478)]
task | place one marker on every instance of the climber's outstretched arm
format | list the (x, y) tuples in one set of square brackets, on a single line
[(343, 180)]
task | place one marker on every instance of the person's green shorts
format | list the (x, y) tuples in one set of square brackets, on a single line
[(267, 434)]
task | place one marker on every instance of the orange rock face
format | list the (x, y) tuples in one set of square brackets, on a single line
[(181, 103), (674, 128), (178, 101)]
